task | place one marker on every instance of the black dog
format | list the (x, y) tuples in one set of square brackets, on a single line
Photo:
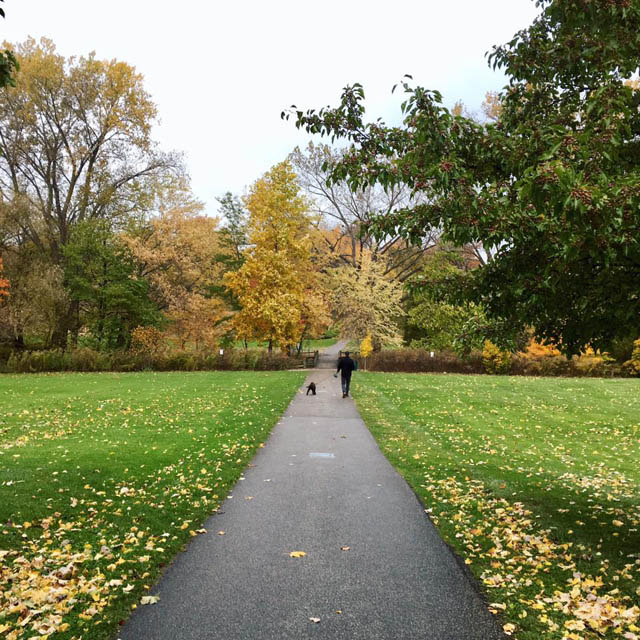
[(312, 388)]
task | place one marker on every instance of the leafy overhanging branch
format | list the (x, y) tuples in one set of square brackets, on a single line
[(551, 187)]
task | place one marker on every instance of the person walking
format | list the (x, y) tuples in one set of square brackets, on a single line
[(346, 367)]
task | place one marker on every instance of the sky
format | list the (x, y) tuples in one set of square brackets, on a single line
[(220, 73)]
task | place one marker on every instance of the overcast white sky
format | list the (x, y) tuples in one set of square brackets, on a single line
[(221, 72)]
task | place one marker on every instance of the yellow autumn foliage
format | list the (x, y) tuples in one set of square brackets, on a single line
[(633, 365), (366, 300), (366, 346), (276, 287), (146, 340), (494, 359), (538, 350)]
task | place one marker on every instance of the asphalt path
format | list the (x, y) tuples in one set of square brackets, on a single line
[(375, 567)]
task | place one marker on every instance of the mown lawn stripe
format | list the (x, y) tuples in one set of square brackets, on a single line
[(104, 477), (534, 481)]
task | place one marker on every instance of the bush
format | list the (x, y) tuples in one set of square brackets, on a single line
[(621, 349), (86, 359), (420, 361), (595, 366), (146, 340), (5, 352), (38, 361), (176, 361), (494, 359), (550, 366), (632, 366), (331, 332), (401, 360), (275, 362)]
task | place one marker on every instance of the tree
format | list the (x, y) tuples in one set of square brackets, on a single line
[(349, 212), (8, 65), (233, 234), (270, 293), (8, 68), (433, 323), (492, 106), (37, 299), (272, 284), (315, 317), (75, 145), (366, 348), (233, 240), (100, 275), (552, 185), (200, 321), (367, 302), (178, 252), (438, 326), (4, 284)]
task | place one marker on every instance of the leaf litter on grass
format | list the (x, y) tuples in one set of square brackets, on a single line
[(534, 482), (114, 474)]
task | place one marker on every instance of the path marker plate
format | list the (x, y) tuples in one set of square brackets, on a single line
[(321, 455)]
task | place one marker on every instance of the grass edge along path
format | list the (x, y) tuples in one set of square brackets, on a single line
[(534, 483), (105, 477)]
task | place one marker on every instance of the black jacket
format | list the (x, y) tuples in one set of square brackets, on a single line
[(346, 365)]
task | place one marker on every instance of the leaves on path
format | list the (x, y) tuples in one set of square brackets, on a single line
[(297, 554)]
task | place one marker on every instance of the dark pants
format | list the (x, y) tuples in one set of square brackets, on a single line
[(346, 381)]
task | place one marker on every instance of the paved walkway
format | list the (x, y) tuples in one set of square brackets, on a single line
[(328, 357), (320, 485)]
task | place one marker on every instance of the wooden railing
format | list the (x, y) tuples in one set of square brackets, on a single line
[(309, 358)]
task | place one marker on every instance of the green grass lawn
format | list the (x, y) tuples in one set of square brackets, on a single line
[(321, 343), (536, 484), (104, 477)]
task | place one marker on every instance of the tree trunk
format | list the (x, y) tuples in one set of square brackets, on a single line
[(68, 323), (74, 328), (270, 346), (18, 340)]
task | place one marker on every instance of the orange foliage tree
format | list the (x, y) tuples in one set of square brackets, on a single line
[(177, 252)]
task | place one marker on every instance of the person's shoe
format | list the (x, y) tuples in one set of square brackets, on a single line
[(344, 395)]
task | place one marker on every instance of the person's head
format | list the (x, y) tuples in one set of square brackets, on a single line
[(346, 353)]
